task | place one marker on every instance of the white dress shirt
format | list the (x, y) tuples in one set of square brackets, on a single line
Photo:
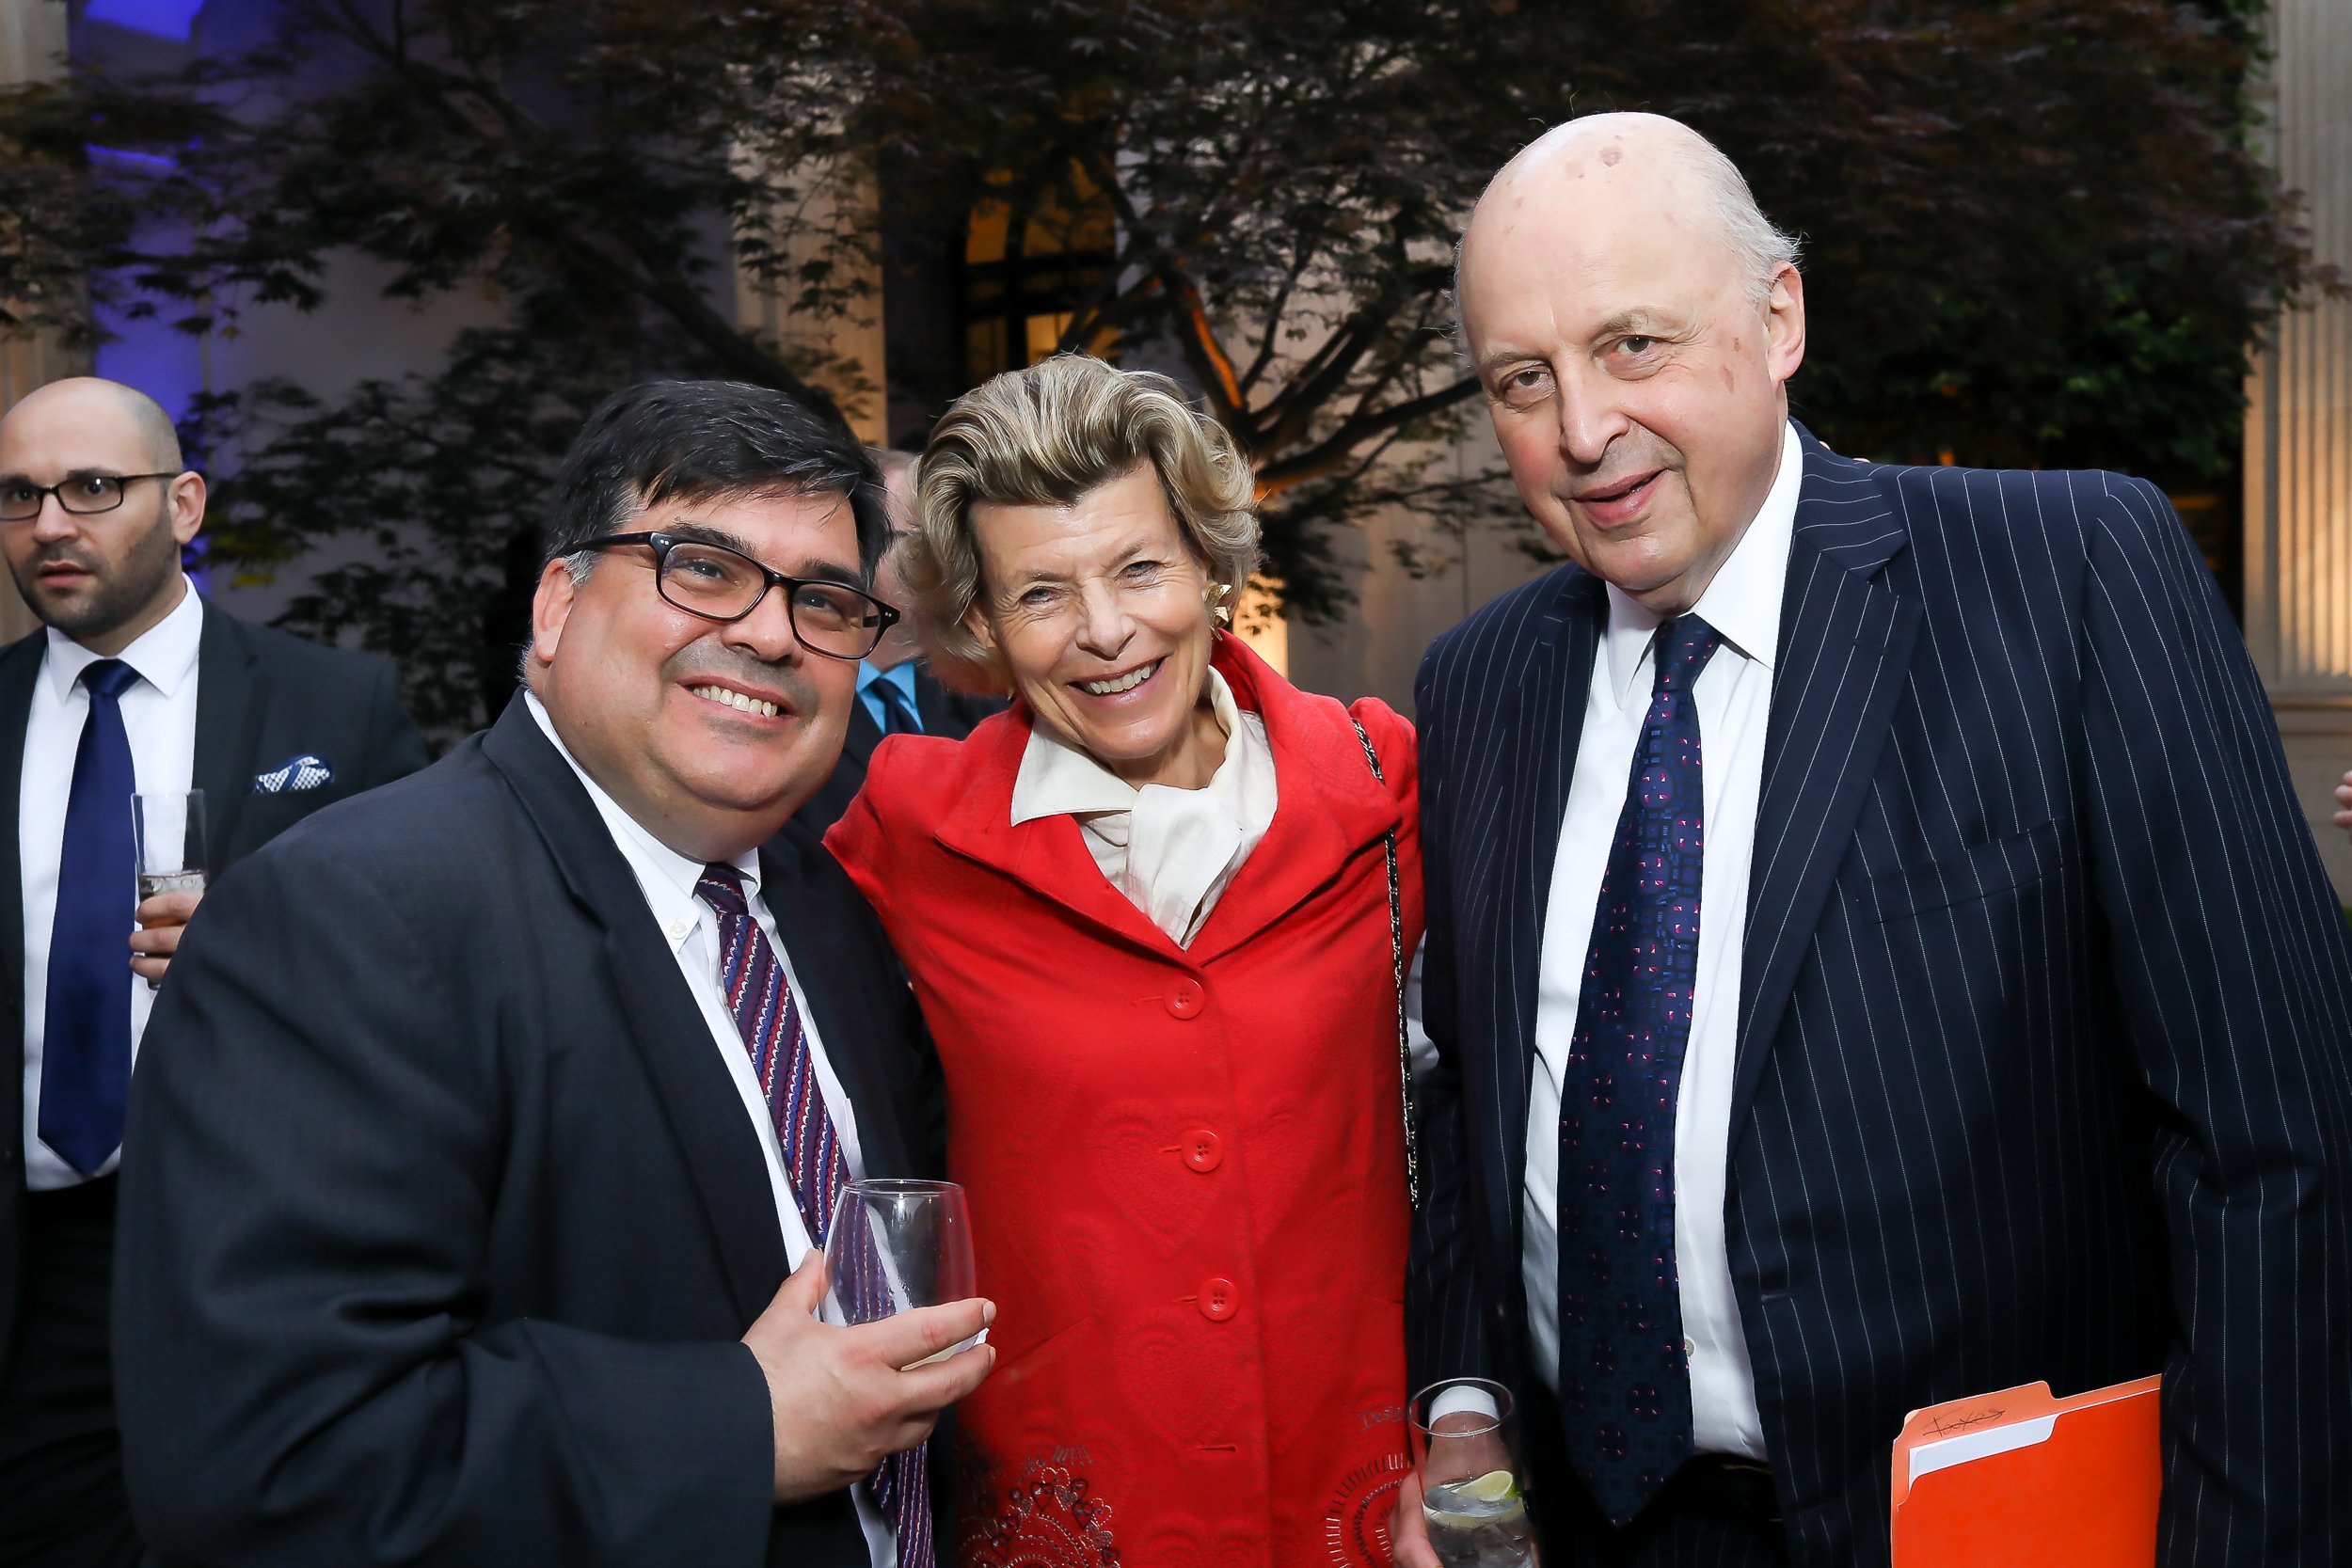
[(159, 717), (1734, 695), (692, 928), (1174, 852)]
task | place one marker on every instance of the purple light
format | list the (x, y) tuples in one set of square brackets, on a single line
[(163, 18), (150, 163)]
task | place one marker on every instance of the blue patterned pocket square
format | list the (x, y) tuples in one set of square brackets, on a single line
[(295, 773)]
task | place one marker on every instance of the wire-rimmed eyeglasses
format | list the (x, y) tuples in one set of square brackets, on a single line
[(718, 583), (81, 494)]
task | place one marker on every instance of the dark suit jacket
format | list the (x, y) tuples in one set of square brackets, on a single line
[(442, 1218), (2045, 1031), (263, 698), (952, 714)]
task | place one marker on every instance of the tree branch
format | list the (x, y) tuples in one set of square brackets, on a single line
[(1208, 359), (1332, 453)]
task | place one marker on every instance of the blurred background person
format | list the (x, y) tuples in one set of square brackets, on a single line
[(486, 1118), (1149, 915), (897, 693), (134, 683)]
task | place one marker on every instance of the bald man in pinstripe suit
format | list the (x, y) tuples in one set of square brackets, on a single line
[(1874, 955)]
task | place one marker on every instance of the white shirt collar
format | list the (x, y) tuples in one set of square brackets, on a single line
[(1743, 602), (164, 655), (668, 878), (1058, 779)]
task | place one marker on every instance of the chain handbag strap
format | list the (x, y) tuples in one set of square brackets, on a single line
[(1396, 960)]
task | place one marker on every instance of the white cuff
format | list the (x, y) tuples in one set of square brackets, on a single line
[(1462, 1397)]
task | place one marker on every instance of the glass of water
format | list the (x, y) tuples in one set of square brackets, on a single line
[(895, 1245), (1464, 1446), (167, 832)]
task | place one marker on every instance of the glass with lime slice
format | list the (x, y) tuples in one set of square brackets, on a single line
[(1469, 1488)]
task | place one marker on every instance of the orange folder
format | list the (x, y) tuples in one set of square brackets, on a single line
[(2019, 1480)]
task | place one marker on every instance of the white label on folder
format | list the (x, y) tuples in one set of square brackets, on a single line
[(1929, 1457)]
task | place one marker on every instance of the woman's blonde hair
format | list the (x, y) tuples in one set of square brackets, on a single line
[(1044, 437)]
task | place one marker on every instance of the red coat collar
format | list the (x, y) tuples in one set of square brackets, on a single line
[(1328, 807)]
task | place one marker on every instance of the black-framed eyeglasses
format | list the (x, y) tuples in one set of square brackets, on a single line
[(721, 584), (82, 495)]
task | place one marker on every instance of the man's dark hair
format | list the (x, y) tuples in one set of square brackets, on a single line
[(701, 441)]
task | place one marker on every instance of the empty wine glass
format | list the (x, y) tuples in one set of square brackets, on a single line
[(897, 1244)]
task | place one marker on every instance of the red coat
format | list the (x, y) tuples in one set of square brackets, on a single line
[(1186, 1168)]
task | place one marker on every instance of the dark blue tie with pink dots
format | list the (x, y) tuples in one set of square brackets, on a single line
[(1624, 1382)]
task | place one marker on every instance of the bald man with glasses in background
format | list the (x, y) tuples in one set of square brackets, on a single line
[(134, 683)]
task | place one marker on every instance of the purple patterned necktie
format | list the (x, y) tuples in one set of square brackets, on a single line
[(1625, 1382), (769, 1021)]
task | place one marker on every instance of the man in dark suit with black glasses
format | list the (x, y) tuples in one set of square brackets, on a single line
[(135, 683), (488, 1116)]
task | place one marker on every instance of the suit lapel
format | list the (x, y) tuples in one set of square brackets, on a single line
[(229, 703), (865, 735), (934, 707), (1549, 729), (20, 666), (1846, 641), (665, 1024), (830, 967)]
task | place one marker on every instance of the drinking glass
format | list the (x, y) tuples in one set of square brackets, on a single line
[(1464, 1443), (167, 838), (897, 1244), (168, 844)]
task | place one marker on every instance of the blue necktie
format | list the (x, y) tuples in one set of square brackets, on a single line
[(86, 1030), (898, 715), (1624, 1382)]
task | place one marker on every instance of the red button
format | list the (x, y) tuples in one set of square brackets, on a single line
[(1204, 1150), (1218, 1300), (1186, 1000)]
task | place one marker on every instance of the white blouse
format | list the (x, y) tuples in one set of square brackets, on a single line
[(1174, 852)]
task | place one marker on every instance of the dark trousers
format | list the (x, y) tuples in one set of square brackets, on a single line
[(62, 1498), (1709, 1515)]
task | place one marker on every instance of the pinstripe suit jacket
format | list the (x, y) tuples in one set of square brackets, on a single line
[(2046, 1033)]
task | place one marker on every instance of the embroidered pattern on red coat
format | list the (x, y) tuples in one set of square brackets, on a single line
[(1356, 1519), (1049, 1518)]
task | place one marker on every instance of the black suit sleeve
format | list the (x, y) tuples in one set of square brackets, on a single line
[(1445, 1312), (307, 1206), (2231, 960), (395, 748)]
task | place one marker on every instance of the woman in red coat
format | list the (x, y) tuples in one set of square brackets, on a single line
[(1148, 913)]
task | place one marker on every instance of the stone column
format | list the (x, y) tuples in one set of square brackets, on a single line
[(2298, 433)]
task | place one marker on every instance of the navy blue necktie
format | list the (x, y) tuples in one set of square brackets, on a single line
[(1624, 1382), (86, 1030), (898, 715)]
